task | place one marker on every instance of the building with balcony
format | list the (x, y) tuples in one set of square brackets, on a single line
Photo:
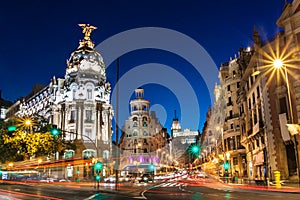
[(233, 151), (78, 104), (269, 100), (144, 142)]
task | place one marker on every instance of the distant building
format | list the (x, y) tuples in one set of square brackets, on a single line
[(4, 105), (144, 142), (181, 142)]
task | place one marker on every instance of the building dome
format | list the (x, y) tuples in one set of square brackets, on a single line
[(85, 53), (85, 57)]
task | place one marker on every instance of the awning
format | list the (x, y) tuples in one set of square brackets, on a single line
[(283, 128)]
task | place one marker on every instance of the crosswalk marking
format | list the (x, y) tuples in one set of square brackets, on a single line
[(171, 185)]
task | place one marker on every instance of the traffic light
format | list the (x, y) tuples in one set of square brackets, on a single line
[(195, 149), (54, 131), (98, 166), (151, 167), (97, 177), (226, 165), (12, 128)]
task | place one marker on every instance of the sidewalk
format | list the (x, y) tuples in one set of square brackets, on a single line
[(285, 187)]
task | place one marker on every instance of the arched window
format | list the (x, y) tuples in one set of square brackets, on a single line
[(135, 123), (145, 150), (134, 133), (69, 154), (88, 153), (145, 123)]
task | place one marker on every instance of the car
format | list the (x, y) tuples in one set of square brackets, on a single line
[(146, 178), (128, 178), (110, 179), (64, 180), (202, 175)]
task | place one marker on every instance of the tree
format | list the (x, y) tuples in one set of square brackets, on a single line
[(20, 144)]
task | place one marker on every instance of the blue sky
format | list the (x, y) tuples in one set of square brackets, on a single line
[(38, 36)]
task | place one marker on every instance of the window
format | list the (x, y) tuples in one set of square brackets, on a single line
[(135, 123), (74, 94), (88, 153), (69, 154), (249, 103), (235, 161), (72, 117), (230, 114), (134, 133), (88, 115), (228, 87), (145, 133), (257, 91), (232, 143), (282, 105), (238, 84), (88, 132), (253, 98), (145, 121), (89, 94), (105, 154)]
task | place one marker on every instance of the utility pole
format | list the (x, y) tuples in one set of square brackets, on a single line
[(117, 124)]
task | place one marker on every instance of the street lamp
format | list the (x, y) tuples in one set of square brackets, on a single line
[(278, 64)]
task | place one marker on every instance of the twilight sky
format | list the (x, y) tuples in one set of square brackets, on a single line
[(38, 36)]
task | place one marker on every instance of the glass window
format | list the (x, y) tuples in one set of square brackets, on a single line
[(88, 132), (73, 116), (89, 94), (88, 115), (105, 154), (88, 153)]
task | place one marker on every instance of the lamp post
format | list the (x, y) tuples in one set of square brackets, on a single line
[(278, 64)]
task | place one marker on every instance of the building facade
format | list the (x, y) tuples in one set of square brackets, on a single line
[(181, 142), (271, 101), (78, 104), (4, 105), (144, 142)]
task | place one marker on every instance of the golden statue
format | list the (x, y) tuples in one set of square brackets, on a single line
[(87, 29)]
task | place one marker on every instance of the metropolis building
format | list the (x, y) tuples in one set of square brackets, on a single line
[(78, 104)]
